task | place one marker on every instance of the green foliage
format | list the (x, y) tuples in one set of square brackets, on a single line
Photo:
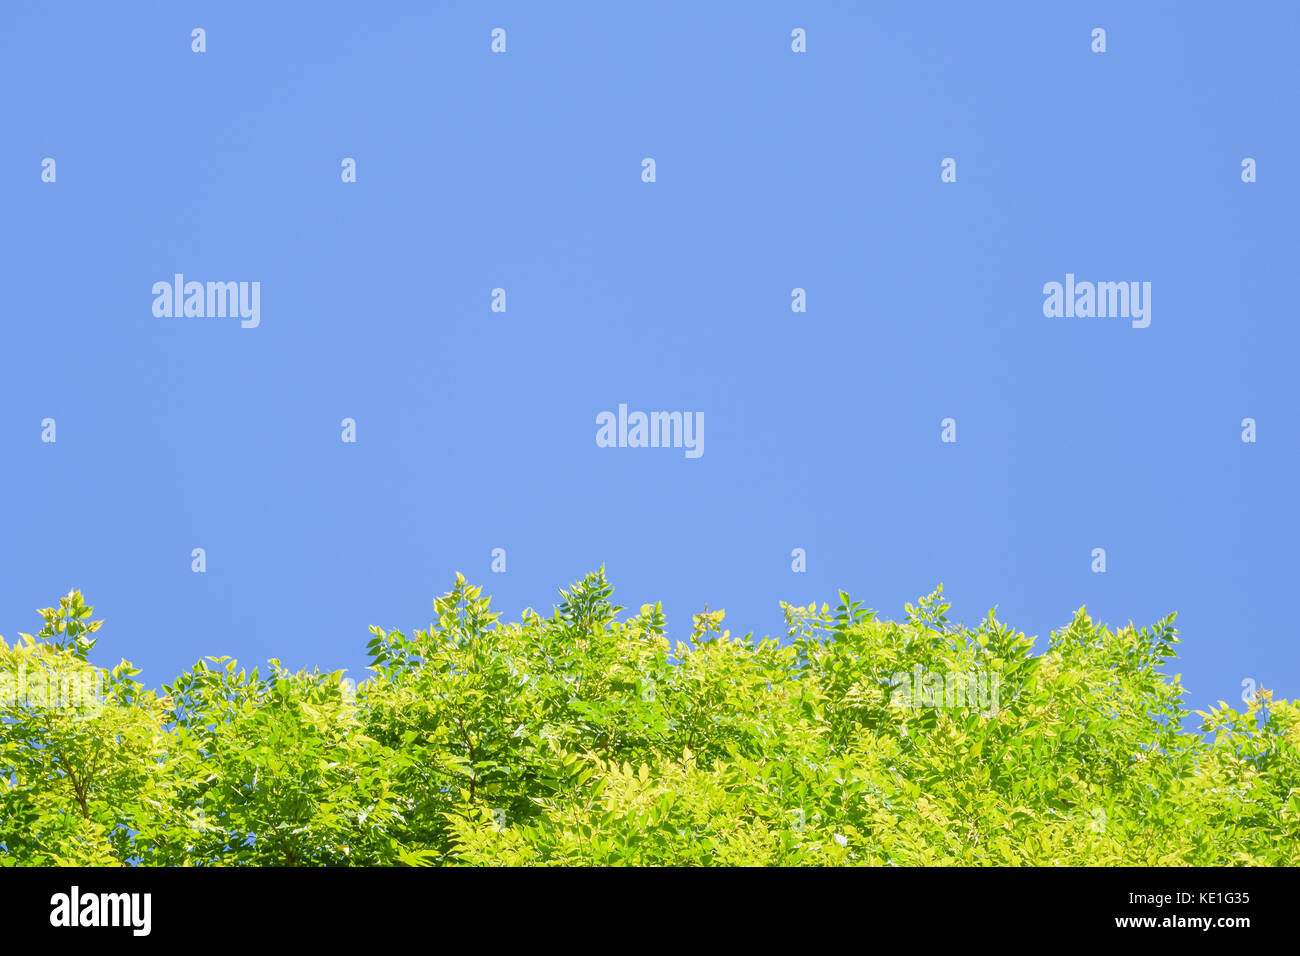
[(588, 738)]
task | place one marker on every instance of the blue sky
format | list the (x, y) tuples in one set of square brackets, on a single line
[(775, 170)]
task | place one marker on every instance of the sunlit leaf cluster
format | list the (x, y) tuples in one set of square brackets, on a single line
[(588, 737)]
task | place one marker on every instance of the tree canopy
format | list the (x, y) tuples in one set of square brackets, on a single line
[(589, 738)]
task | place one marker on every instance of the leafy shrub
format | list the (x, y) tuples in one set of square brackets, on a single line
[(589, 738)]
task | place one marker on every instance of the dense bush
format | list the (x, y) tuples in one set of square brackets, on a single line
[(585, 739)]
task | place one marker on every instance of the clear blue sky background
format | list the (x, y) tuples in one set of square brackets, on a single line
[(476, 430)]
